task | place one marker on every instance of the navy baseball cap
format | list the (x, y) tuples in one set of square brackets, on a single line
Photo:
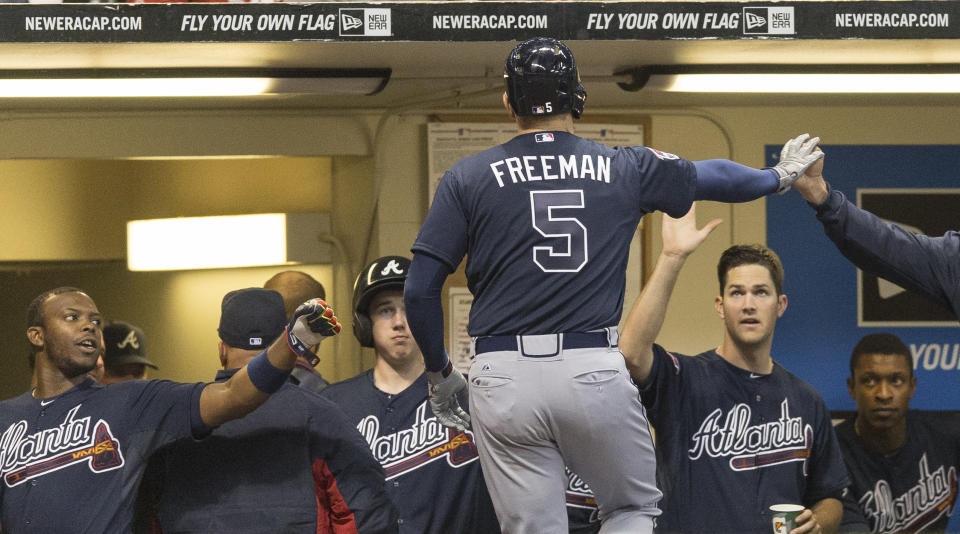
[(124, 343), (251, 318)]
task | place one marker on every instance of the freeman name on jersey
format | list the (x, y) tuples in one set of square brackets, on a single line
[(550, 167)]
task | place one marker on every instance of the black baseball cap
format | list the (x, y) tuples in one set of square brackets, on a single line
[(251, 318), (124, 343)]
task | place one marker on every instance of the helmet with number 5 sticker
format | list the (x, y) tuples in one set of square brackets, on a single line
[(542, 79)]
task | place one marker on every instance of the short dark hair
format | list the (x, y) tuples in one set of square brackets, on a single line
[(35, 312), (883, 343), (738, 255)]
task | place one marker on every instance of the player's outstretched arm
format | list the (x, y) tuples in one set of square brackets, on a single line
[(250, 387), (680, 238), (727, 181), (923, 264)]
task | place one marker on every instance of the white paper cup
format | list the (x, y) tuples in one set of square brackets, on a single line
[(785, 517)]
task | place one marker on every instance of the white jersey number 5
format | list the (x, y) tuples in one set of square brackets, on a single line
[(566, 251)]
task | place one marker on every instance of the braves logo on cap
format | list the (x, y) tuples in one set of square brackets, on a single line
[(131, 340), (543, 137), (391, 267)]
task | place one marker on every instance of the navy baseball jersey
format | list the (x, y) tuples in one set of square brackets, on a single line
[(295, 464), (927, 265), (548, 215), (433, 473), (72, 463), (730, 443), (911, 490)]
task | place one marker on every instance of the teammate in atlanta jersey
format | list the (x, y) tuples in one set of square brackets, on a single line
[(72, 452), (903, 465), (736, 432)]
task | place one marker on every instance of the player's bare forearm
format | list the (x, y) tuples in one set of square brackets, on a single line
[(812, 185), (234, 398), (646, 317), (824, 516), (680, 238)]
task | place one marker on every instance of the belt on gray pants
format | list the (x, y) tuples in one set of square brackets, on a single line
[(571, 340)]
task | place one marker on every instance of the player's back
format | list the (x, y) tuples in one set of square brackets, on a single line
[(546, 221)]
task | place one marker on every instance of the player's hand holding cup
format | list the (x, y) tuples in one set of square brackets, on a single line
[(797, 155), (443, 398), (312, 322)]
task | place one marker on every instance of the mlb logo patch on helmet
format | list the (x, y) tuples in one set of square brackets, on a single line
[(543, 138)]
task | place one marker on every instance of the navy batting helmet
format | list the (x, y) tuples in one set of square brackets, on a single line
[(388, 272), (542, 79)]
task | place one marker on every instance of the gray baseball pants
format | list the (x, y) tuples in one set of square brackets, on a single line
[(541, 406)]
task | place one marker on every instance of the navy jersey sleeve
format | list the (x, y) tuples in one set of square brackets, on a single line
[(828, 473), (444, 232), (927, 265), (665, 182), (347, 478), (172, 409), (661, 385)]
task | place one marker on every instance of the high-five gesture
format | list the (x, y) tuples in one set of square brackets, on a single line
[(797, 155), (680, 238)]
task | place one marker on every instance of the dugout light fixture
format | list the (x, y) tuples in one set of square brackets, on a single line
[(188, 82), (227, 241), (940, 78)]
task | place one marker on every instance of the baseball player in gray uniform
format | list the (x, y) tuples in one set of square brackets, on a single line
[(546, 221)]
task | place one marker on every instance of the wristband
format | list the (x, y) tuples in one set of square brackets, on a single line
[(264, 375)]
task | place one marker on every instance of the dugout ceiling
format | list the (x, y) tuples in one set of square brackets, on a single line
[(438, 50)]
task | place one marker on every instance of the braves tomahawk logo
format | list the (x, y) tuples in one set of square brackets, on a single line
[(391, 267), (25, 456), (753, 446), (427, 440), (932, 497), (131, 340)]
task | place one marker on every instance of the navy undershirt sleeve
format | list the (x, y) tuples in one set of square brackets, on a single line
[(726, 181), (422, 297)]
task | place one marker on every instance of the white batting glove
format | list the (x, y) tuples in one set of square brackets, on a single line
[(443, 399), (796, 157)]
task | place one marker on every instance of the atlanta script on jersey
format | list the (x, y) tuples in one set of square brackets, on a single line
[(912, 490), (433, 476), (755, 440), (88, 444)]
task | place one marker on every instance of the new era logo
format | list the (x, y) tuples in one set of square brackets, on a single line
[(754, 21), (768, 21), (348, 22), (365, 22)]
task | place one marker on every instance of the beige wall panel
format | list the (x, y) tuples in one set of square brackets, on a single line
[(78, 209), (179, 133)]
